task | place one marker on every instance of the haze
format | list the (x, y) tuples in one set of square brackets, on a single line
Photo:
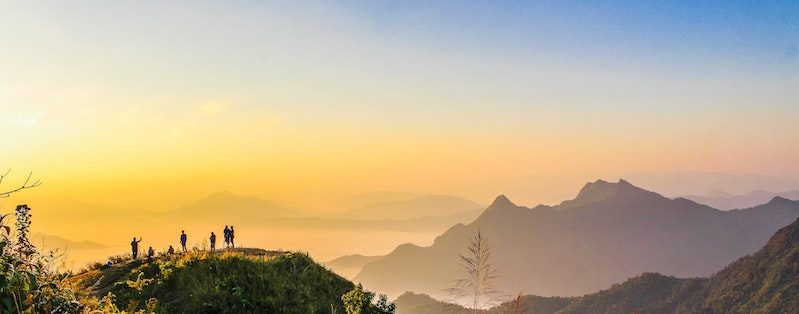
[(132, 108)]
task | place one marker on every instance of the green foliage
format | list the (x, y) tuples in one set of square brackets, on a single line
[(27, 282), (224, 283), (359, 301)]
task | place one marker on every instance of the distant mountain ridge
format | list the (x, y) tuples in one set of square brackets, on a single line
[(48, 241), (726, 201), (609, 232), (349, 265), (427, 205), (764, 282), (226, 203)]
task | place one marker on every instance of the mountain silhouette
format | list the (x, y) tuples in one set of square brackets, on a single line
[(764, 282), (349, 265), (608, 233), (723, 200), (423, 206), (48, 241), (226, 203)]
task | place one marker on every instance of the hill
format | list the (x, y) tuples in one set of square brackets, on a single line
[(349, 265), (235, 281), (725, 201), (765, 282), (229, 204), (366, 199), (609, 232), (423, 206), (48, 241)]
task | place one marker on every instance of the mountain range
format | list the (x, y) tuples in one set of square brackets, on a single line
[(764, 282), (349, 265), (229, 204), (427, 205), (47, 241), (726, 201), (608, 233)]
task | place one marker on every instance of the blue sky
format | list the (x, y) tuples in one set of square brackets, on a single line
[(405, 89)]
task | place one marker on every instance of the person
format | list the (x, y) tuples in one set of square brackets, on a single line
[(171, 250), (150, 254), (134, 247), (213, 241), (183, 239), (232, 233), (227, 237)]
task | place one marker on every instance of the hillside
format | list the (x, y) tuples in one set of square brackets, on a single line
[(765, 282), (241, 280), (48, 241), (349, 265), (725, 201), (423, 206), (228, 204), (609, 232), (374, 197)]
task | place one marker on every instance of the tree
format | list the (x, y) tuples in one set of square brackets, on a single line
[(25, 185), (517, 305), (359, 301), (479, 275)]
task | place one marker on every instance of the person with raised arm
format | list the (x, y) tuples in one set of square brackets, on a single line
[(134, 247)]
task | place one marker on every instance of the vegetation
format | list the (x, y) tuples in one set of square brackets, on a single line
[(230, 281), (479, 274), (765, 282), (27, 282), (225, 282), (359, 301)]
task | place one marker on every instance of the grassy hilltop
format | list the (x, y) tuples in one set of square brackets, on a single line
[(229, 281)]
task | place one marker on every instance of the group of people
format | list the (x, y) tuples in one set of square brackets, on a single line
[(229, 234)]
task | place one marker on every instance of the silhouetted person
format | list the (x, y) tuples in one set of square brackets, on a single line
[(213, 242), (227, 237), (134, 247), (232, 235), (171, 250), (150, 254), (183, 239)]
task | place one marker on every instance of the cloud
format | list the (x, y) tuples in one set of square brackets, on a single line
[(22, 120), (212, 107)]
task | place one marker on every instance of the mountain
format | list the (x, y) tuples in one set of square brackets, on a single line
[(229, 204), (689, 182), (349, 265), (417, 224), (428, 205), (231, 281), (609, 232), (722, 200), (366, 199), (412, 303), (48, 241), (764, 282)]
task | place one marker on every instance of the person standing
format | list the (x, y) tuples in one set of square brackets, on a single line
[(213, 241), (134, 247), (150, 255), (183, 239), (232, 235), (227, 237)]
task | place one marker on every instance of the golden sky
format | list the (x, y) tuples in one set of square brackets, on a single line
[(143, 105)]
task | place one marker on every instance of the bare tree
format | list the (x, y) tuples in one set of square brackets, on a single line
[(25, 185), (479, 275), (517, 305)]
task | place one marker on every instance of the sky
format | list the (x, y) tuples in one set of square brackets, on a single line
[(152, 105)]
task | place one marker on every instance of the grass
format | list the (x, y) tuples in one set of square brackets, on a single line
[(228, 281)]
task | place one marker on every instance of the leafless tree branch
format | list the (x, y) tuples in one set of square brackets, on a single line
[(25, 185)]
